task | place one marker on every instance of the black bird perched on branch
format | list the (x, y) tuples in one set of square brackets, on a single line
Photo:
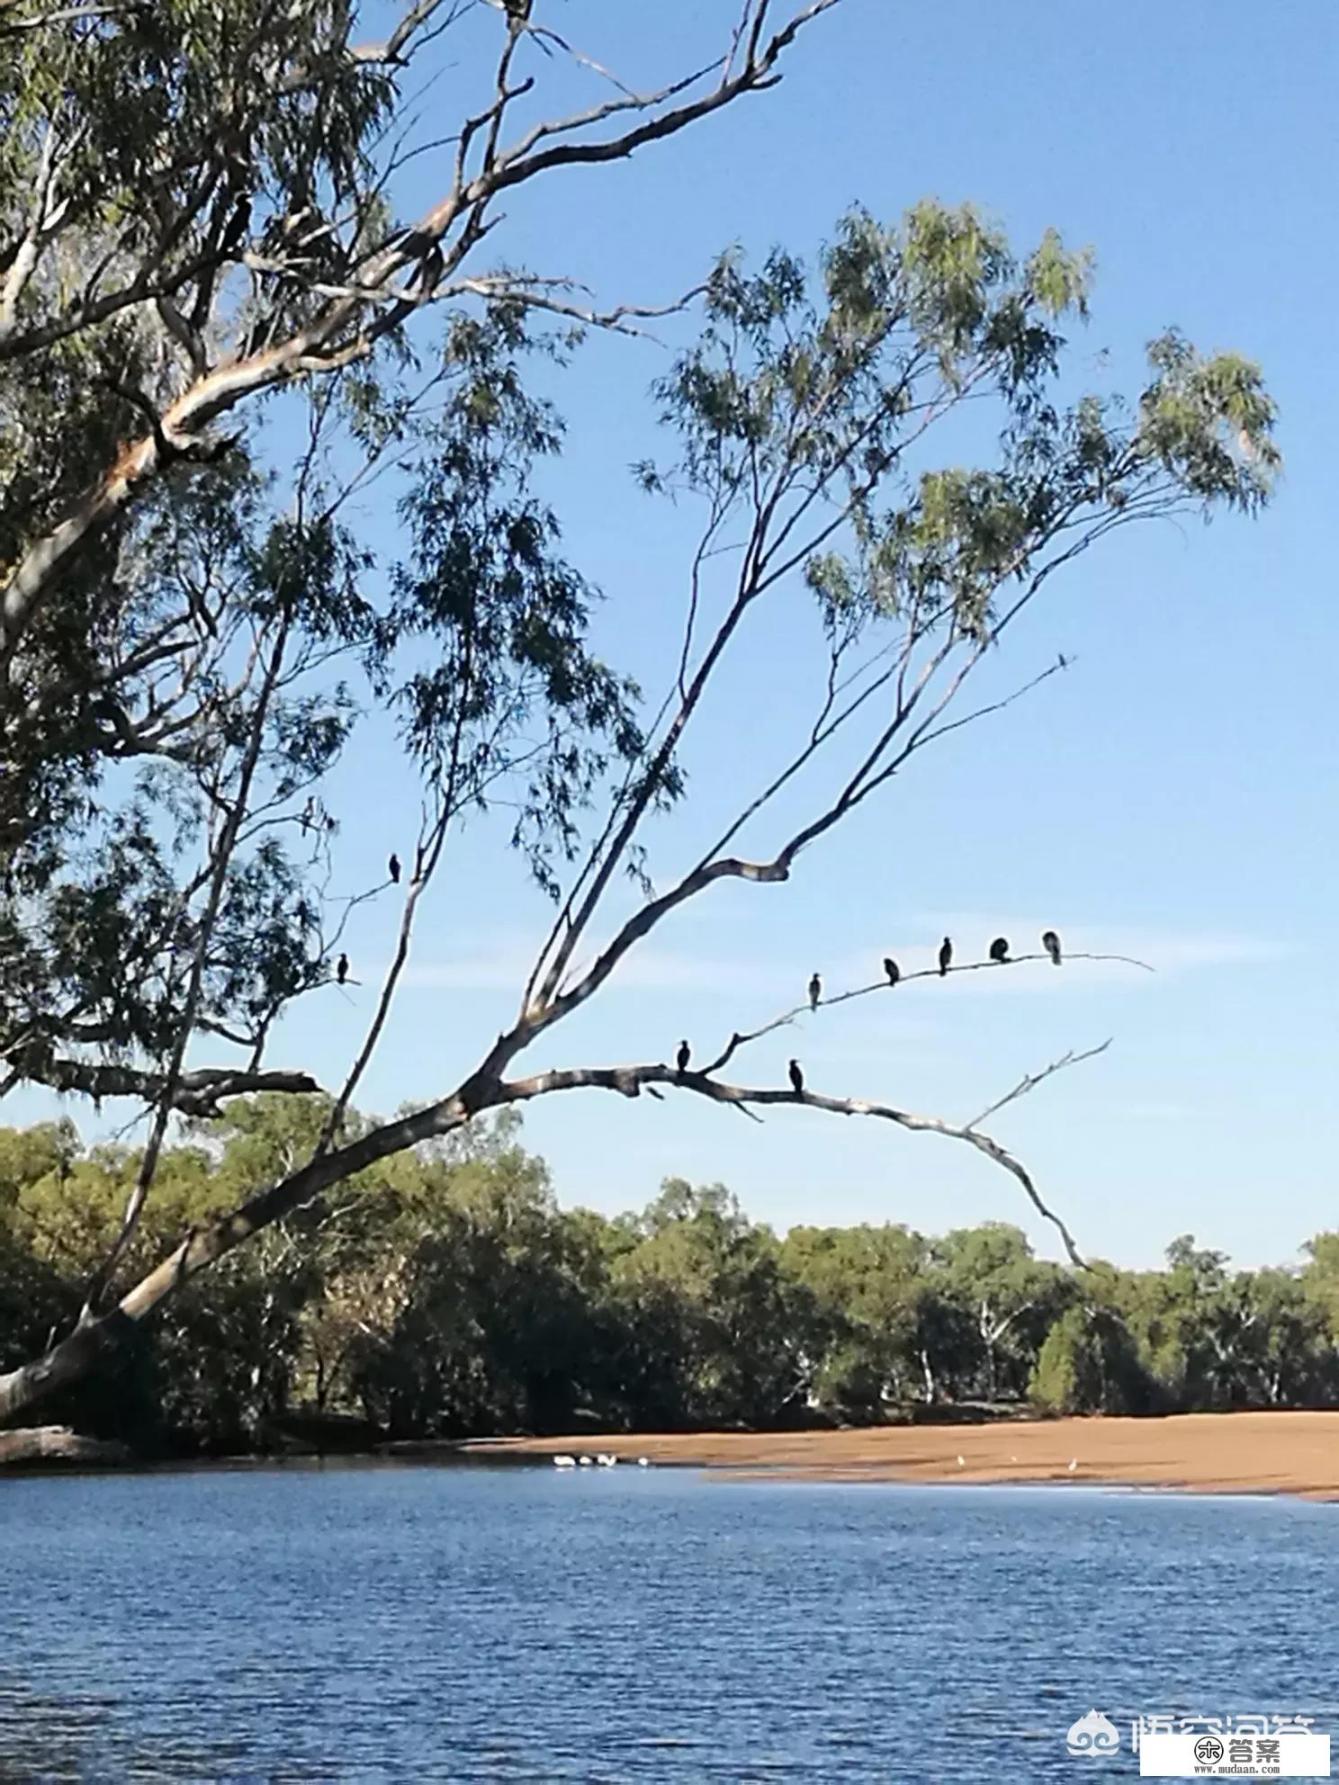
[(238, 226), (393, 869), (815, 991), (890, 967), (1051, 943), (999, 950), (682, 1057), (945, 956), (796, 1078), (341, 969)]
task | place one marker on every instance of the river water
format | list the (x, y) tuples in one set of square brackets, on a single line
[(468, 1623)]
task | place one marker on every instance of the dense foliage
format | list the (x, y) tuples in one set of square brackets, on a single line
[(453, 1297)]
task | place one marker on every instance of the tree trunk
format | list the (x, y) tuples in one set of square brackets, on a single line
[(66, 1362), (76, 1355), (57, 1444)]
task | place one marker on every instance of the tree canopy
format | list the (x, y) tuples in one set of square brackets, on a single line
[(445, 1294), (198, 225)]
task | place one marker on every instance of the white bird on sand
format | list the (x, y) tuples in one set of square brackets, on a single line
[(606, 1459), (1073, 1464), (563, 1462), (962, 1462), (643, 1462)]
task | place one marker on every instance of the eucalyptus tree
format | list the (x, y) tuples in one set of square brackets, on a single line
[(1013, 1298), (873, 1291), (198, 228), (717, 1325)]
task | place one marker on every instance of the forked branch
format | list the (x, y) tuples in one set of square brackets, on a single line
[(630, 1081)]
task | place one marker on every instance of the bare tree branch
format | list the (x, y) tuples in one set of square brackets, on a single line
[(1030, 1080), (484, 1090), (630, 1081), (58, 15), (198, 1092), (787, 1017)]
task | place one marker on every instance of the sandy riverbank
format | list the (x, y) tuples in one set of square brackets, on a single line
[(1223, 1453)]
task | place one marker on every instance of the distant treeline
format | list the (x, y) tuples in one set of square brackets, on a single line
[(444, 1294)]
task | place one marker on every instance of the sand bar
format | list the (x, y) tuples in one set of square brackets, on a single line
[(1222, 1453)]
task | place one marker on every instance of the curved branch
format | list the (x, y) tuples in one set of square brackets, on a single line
[(630, 1081), (94, 1338), (738, 1040)]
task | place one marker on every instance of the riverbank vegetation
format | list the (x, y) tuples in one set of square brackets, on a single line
[(444, 1293)]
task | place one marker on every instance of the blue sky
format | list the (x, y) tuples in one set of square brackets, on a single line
[(1172, 796)]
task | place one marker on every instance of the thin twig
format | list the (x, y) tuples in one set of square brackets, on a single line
[(1030, 1080)]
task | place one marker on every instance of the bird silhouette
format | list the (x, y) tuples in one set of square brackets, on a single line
[(945, 956), (796, 1078), (891, 969), (393, 869), (1051, 943), (815, 991), (999, 949), (341, 969), (238, 225), (682, 1057)]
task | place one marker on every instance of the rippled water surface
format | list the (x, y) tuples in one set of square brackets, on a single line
[(626, 1624)]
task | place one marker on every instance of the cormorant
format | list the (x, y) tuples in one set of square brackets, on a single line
[(681, 1058), (238, 226), (796, 1078), (891, 969), (1051, 943), (945, 956), (341, 969), (999, 949), (815, 991), (393, 868)]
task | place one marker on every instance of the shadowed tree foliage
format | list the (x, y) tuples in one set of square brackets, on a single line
[(704, 1291), (446, 1294)]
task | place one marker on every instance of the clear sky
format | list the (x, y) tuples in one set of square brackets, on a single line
[(1173, 796)]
